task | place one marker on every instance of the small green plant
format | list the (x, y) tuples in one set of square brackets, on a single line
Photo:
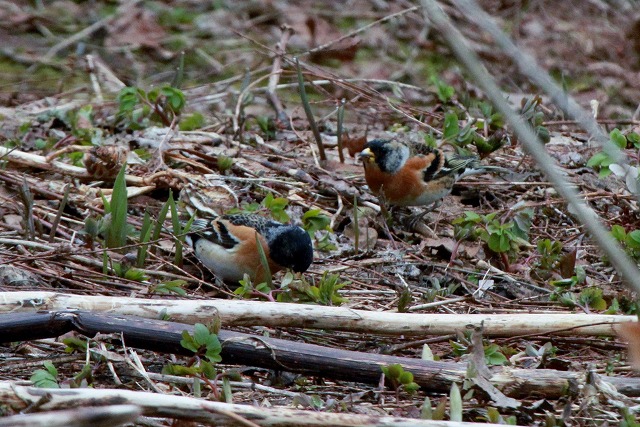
[(554, 265), (137, 108), (74, 344), (170, 287), (603, 163), (493, 354), (267, 126), (530, 110), (224, 163), (436, 290), (443, 91), (630, 241), (248, 289), (324, 293), (455, 403), (628, 418), (192, 122), (317, 225), (113, 225), (205, 345), (203, 342), (274, 205), (493, 416), (400, 379), (127, 271), (47, 377), (454, 134), (502, 237)]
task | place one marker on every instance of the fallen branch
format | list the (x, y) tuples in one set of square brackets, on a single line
[(297, 357), (254, 313), (33, 160), (19, 397)]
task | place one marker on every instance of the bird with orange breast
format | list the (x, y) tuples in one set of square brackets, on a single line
[(228, 246), (410, 174)]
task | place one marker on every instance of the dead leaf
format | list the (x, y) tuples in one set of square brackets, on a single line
[(138, 28), (354, 145), (567, 264)]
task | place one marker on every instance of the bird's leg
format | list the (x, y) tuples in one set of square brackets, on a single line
[(416, 221), (386, 219)]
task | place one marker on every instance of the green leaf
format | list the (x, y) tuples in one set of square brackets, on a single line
[(411, 387), (451, 127), (600, 160), (47, 377), (175, 98), (633, 239), (314, 220), (618, 138), (426, 412), (394, 371), (189, 342), (172, 286), (499, 242), (455, 403), (618, 233), (406, 377), (443, 90), (192, 122), (117, 229), (493, 356), (200, 333), (127, 100)]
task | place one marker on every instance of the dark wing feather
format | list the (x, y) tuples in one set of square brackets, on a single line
[(215, 231), (458, 164), (259, 223), (418, 148)]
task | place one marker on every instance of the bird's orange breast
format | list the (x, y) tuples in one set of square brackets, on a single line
[(405, 187)]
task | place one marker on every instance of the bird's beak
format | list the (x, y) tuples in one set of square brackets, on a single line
[(367, 155)]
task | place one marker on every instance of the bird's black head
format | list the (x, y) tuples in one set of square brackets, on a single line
[(389, 155), (290, 247)]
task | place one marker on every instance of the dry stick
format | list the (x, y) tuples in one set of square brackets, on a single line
[(27, 201), (254, 313), (58, 217), (360, 30), (96, 416), (33, 160), (340, 130), (274, 77), (203, 411), (586, 215), (309, 113)]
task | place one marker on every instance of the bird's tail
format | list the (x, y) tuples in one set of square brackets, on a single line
[(470, 165)]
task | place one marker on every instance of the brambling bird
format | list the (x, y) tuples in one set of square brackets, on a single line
[(416, 174), (227, 245)]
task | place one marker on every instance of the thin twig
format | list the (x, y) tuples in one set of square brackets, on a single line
[(274, 76), (360, 30), (309, 113)]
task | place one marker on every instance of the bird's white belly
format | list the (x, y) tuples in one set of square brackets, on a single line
[(221, 261)]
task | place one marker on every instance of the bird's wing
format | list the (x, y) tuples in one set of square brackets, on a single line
[(261, 224), (216, 231)]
